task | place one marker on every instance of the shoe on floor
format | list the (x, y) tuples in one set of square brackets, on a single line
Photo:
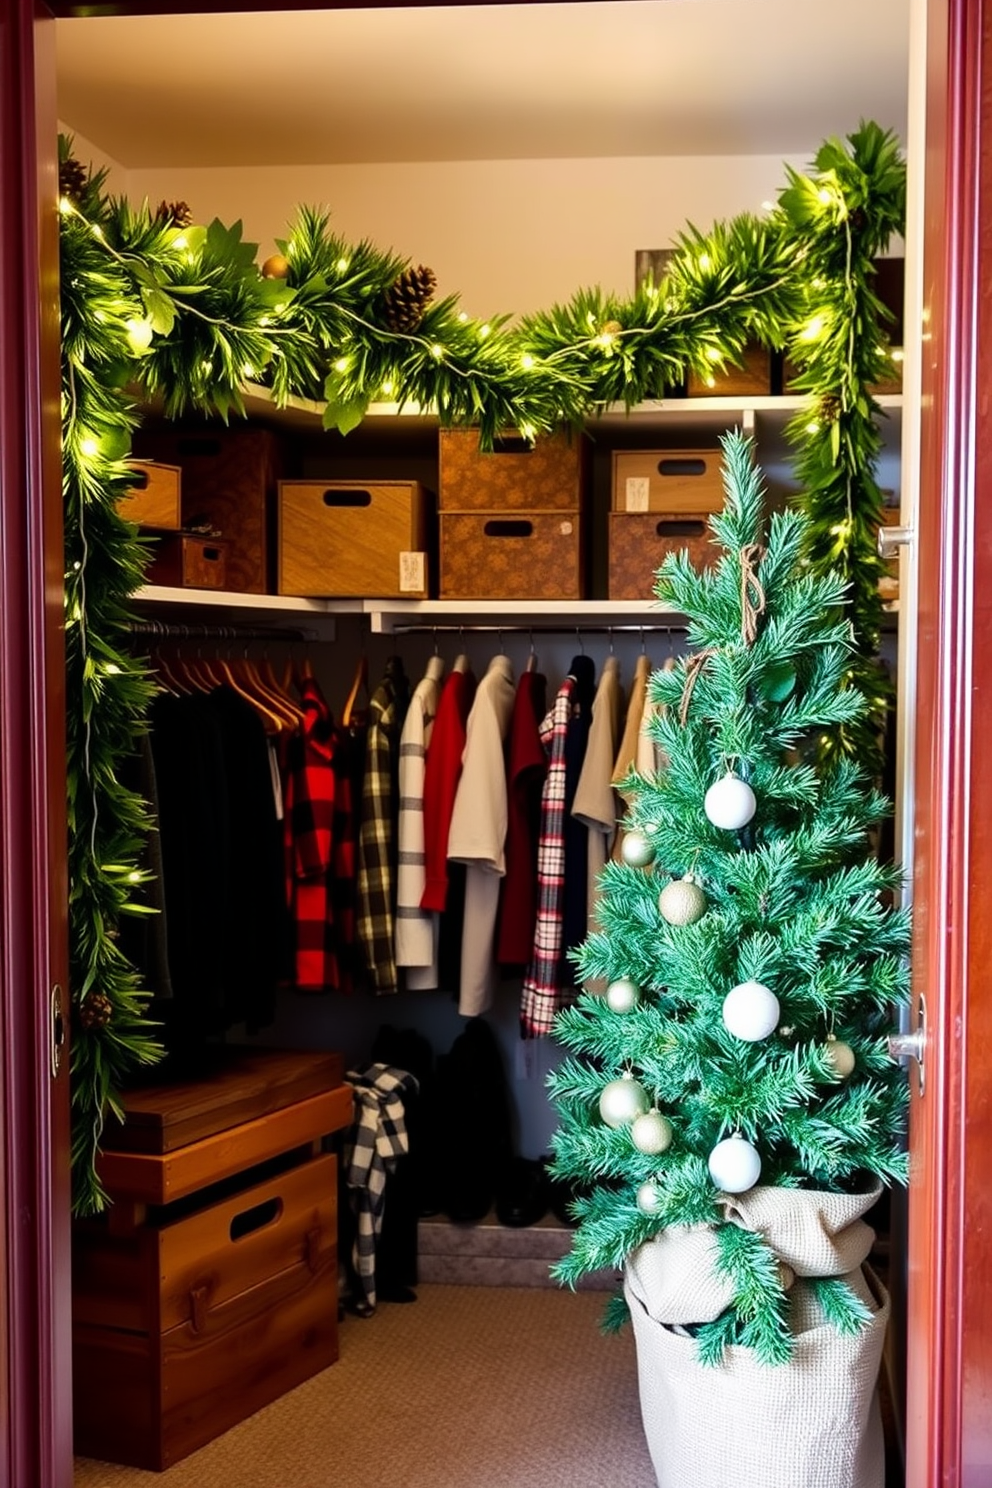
[(522, 1198)]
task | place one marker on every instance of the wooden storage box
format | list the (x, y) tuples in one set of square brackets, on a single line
[(752, 379), (353, 538), (641, 541), (211, 1287), (228, 480), (529, 555), (155, 500), (188, 561), (686, 480), (550, 475)]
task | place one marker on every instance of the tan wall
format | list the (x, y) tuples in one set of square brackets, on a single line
[(506, 236)]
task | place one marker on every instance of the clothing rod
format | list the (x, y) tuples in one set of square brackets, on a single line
[(524, 629), (166, 631)]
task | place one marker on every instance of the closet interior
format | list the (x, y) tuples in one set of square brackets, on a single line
[(316, 1001)]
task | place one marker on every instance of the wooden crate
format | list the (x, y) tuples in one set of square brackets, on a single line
[(529, 555), (211, 1286), (353, 539), (188, 561), (155, 500), (229, 479), (640, 542), (515, 476), (676, 480), (753, 379)]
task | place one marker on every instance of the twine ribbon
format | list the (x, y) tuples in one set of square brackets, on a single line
[(694, 665), (753, 600)]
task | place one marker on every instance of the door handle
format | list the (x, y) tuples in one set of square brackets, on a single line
[(913, 1045), (891, 539)]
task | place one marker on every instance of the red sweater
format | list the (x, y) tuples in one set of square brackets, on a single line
[(442, 769), (527, 765)]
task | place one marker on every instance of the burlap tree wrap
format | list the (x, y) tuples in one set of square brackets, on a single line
[(810, 1423)]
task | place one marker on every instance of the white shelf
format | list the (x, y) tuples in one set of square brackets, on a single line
[(386, 616)]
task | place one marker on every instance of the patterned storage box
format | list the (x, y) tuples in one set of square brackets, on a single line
[(640, 542), (529, 555), (551, 475)]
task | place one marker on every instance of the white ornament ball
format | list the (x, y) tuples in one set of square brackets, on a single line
[(730, 803), (637, 850), (734, 1165), (750, 1011), (623, 995), (648, 1198), (652, 1133), (841, 1056), (682, 902), (622, 1101)]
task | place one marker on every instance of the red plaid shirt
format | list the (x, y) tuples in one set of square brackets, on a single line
[(542, 993), (308, 834)]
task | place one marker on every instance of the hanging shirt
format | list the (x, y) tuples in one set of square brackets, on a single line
[(595, 803), (541, 993), (308, 823), (477, 836), (442, 770), (416, 928), (651, 760), (526, 769), (575, 900), (626, 757), (377, 833), (349, 767)]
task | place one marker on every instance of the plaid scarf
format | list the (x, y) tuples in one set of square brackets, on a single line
[(377, 1138)]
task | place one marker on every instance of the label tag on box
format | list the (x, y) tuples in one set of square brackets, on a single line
[(413, 573), (638, 493)]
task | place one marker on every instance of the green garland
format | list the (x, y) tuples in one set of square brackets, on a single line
[(151, 307)]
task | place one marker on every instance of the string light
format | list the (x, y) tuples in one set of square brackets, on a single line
[(88, 446), (343, 265)]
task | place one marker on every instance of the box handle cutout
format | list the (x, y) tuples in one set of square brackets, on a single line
[(140, 481), (198, 447), (250, 1220), (508, 527), (511, 444), (680, 527), (211, 554), (347, 498), (679, 466)]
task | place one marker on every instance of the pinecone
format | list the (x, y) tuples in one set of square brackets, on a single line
[(830, 408), (407, 298), (174, 214), (95, 1011), (72, 179)]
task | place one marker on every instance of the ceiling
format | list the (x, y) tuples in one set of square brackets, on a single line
[(539, 81)]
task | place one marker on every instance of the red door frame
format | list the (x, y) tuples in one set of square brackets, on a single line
[(949, 1386), (35, 1395), (950, 1365)]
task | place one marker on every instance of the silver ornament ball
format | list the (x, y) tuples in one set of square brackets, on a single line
[(750, 1011), (730, 803), (682, 902), (734, 1165), (648, 1198), (636, 849), (623, 995), (622, 1101), (652, 1133)]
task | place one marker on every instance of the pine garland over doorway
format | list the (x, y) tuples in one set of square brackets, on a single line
[(153, 306)]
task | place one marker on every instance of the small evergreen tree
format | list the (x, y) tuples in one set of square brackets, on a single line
[(752, 966)]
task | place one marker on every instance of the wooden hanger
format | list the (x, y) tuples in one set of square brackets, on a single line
[(271, 696), (360, 683)]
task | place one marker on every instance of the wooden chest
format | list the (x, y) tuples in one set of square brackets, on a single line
[(676, 480), (529, 555), (186, 561), (641, 541), (211, 1287), (353, 538), (155, 500), (550, 475), (229, 480)]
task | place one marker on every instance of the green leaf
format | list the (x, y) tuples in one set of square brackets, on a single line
[(161, 311)]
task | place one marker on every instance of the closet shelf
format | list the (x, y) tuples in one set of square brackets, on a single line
[(387, 616), (702, 414)]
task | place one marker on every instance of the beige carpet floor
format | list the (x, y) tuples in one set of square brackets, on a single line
[(468, 1387)]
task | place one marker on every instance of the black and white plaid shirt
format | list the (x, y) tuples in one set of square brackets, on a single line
[(377, 1138)]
